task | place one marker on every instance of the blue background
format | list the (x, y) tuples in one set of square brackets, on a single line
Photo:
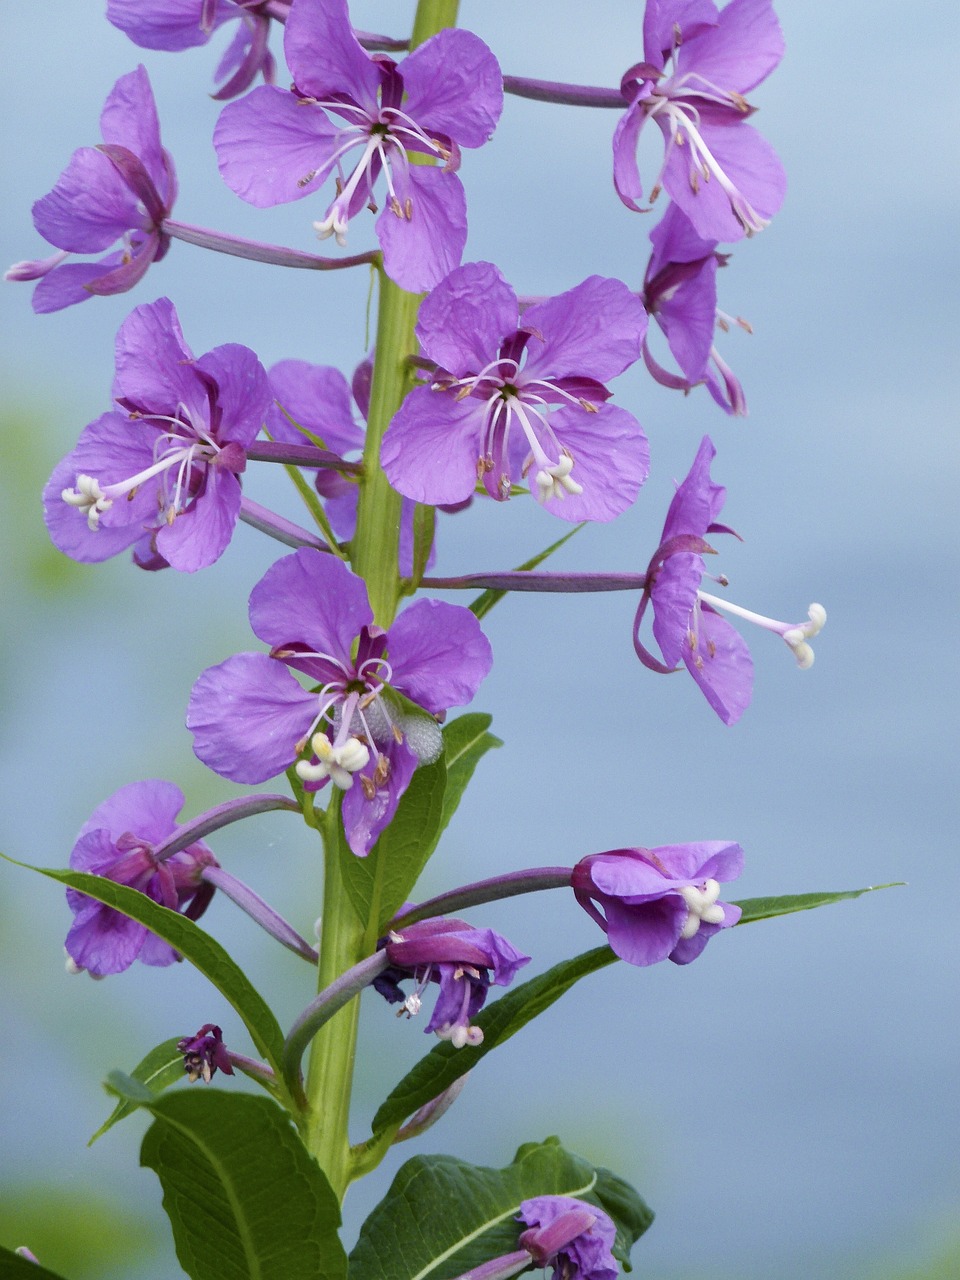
[(788, 1105)]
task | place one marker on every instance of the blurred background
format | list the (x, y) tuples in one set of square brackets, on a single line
[(788, 1106)]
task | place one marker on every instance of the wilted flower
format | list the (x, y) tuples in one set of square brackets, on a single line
[(205, 1054)]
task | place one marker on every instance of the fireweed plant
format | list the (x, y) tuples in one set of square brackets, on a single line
[(471, 395)]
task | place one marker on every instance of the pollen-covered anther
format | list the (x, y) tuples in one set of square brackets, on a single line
[(555, 482), (89, 498), (339, 764), (702, 907)]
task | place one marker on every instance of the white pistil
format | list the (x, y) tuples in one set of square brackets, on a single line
[(796, 634), (555, 482), (702, 907), (338, 763), (89, 498)]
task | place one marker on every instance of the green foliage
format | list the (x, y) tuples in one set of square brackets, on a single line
[(379, 884), (442, 1217), (245, 1199), (162, 1067), (487, 599), (194, 944), (13, 1267), (79, 1232), (767, 908), (444, 1064)]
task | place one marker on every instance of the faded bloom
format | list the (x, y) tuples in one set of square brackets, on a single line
[(184, 24), (522, 398), (278, 145), (571, 1236), (163, 475), (205, 1054), (698, 64), (120, 190), (120, 841), (659, 904), (372, 716), (462, 960)]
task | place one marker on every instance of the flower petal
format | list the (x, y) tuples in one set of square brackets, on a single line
[(243, 391), (146, 809), (90, 206), (453, 84), (199, 535), (431, 447), (611, 461), (425, 241), (722, 666), (325, 56), (595, 328), (740, 51), (312, 599), (438, 655), (129, 118), (316, 397), (463, 321)]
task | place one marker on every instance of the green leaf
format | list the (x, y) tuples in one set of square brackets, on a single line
[(487, 599), (767, 908), (13, 1267), (444, 1064), (245, 1198), (618, 1199), (193, 943), (466, 742), (162, 1067), (442, 1216)]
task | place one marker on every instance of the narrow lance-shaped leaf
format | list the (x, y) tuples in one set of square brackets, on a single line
[(767, 908), (442, 1217), (204, 952), (245, 1198), (487, 599), (466, 741), (162, 1067)]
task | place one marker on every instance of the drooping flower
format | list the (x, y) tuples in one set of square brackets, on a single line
[(278, 145), (119, 840), (680, 293), (120, 190), (687, 623), (659, 904), (374, 713), (698, 65), (163, 475), (573, 1237), (184, 24), (461, 959), (516, 398), (205, 1054)]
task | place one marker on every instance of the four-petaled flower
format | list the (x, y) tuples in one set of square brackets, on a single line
[(164, 474), (376, 693), (659, 904), (573, 1237), (120, 190), (205, 1054), (184, 24), (463, 960), (120, 840), (278, 145), (698, 64), (517, 398), (680, 293)]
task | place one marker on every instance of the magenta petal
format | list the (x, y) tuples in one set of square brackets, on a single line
[(364, 819), (626, 173), (453, 85), (463, 321), (90, 206), (243, 391), (172, 25), (129, 119), (688, 317), (611, 461), (662, 18), (722, 666), (740, 51), (66, 286), (422, 248), (698, 500), (313, 599), (325, 56), (199, 535), (271, 149), (430, 449), (598, 325), (247, 715), (103, 941), (148, 809), (647, 933), (316, 397), (674, 596), (438, 655), (154, 366)]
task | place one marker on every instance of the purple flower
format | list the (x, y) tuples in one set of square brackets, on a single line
[(164, 474), (698, 64), (461, 959), (205, 1054), (522, 398), (120, 841), (573, 1237), (278, 145), (659, 904), (379, 692), (121, 190), (680, 293), (185, 24), (686, 621)]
